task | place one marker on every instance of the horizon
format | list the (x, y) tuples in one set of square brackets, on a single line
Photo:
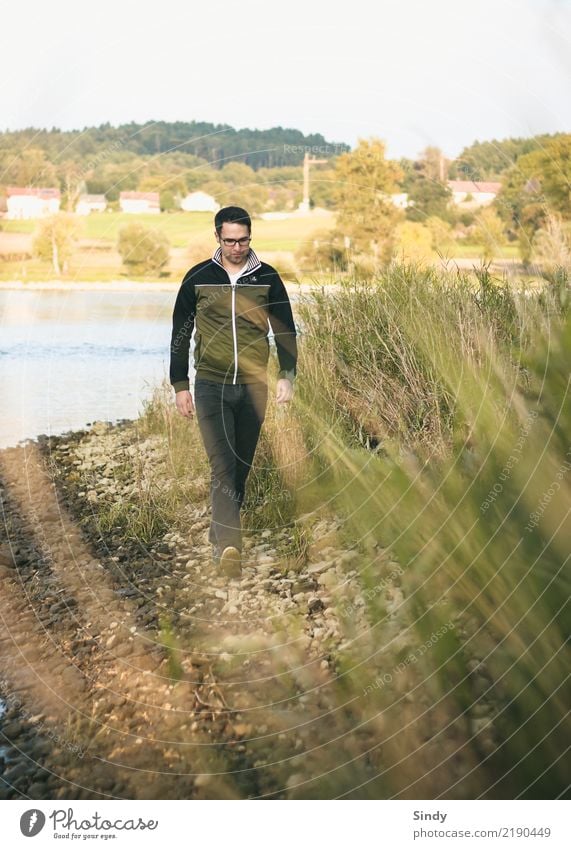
[(151, 123)]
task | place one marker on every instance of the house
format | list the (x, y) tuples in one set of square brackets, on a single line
[(199, 202), (91, 203), (139, 202), (400, 200), (470, 195), (31, 203)]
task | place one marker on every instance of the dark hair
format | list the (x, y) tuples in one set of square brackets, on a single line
[(232, 215)]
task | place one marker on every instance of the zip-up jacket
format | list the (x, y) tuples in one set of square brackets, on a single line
[(232, 322)]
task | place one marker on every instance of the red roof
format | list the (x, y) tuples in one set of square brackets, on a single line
[(46, 194), (150, 196), (473, 187)]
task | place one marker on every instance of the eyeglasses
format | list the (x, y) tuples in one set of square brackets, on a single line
[(242, 242)]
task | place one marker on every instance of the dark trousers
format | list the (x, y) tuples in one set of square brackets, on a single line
[(230, 417)]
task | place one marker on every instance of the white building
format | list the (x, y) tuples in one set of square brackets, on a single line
[(199, 202), (31, 203), (471, 195), (90, 203), (400, 200), (138, 202)]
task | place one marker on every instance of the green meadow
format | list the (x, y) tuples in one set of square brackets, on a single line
[(190, 236)]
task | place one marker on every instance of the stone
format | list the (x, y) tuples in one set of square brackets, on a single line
[(315, 604), (320, 566)]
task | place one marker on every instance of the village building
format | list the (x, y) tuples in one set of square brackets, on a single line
[(31, 202), (471, 195), (400, 200), (91, 203), (137, 202), (199, 202)]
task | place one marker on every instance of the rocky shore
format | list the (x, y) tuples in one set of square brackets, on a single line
[(134, 670)]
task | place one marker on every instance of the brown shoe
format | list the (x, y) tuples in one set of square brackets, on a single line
[(231, 562)]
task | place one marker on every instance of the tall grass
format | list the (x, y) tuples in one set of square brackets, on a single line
[(432, 415), (462, 388)]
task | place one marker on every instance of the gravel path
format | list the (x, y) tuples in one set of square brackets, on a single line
[(129, 671)]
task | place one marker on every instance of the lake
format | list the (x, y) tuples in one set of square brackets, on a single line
[(68, 358)]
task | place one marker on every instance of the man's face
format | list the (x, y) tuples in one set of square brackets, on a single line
[(234, 254)]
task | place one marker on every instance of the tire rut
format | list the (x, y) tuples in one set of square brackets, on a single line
[(81, 658)]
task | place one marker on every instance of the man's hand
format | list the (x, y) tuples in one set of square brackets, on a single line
[(184, 403), (284, 391)]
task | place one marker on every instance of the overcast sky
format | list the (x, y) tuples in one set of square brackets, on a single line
[(412, 72)]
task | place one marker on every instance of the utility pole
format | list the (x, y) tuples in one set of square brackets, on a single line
[(307, 161)]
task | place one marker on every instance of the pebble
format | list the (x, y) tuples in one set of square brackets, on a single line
[(315, 604), (317, 568), (264, 588)]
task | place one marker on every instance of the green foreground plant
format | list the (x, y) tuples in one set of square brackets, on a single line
[(432, 416)]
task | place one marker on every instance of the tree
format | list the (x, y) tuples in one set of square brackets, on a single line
[(366, 215), (33, 168), (489, 232), (490, 160), (54, 239), (425, 183), (554, 162), (434, 164), (74, 181), (428, 198), (536, 187), (238, 174), (323, 187), (143, 250)]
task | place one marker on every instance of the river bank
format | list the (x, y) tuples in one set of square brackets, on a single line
[(92, 286), (140, 673)]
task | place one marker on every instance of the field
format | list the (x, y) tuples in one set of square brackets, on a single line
[(190, 236), (182, 228), (191, 239)]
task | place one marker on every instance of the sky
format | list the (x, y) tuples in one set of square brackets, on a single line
[(411, 72)]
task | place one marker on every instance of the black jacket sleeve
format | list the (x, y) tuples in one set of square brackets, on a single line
[(283, 327), (182, 326)]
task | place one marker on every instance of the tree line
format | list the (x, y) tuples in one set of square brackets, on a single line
[(532, 209)]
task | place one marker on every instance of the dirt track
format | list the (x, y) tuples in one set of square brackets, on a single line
[(230, 699), (101, 690)]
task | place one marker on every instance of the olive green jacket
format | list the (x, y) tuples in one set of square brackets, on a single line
[(231, 342)]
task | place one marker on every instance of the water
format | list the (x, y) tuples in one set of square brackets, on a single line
[(68, 358)]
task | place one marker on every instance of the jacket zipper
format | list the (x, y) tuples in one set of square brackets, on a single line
[(234, 335)]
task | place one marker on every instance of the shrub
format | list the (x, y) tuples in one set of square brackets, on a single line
[(324, 251), (551, 245), (143, 250), (413, 242), (489, 232)]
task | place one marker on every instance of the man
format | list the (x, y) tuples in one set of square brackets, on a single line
[(231, 298)]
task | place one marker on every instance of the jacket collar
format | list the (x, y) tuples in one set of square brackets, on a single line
[(253, 263)]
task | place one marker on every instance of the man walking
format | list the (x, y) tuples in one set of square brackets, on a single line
[(230, 299)]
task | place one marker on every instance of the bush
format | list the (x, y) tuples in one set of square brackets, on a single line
[(143, 250), (200, 249), (324, 251), (551, 245), (441, 233), (413, 242), (489, 232)]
